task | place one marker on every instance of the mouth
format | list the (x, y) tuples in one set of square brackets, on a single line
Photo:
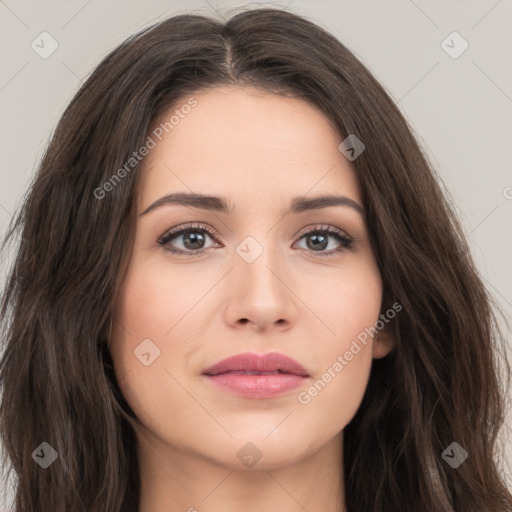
[(257, 376), (246, 372)]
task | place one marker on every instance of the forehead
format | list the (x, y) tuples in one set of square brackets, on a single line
[(247, 144)]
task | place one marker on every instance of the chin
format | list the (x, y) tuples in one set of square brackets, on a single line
[(249, 450)]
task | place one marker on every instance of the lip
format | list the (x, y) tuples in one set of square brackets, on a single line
[(257, 375)]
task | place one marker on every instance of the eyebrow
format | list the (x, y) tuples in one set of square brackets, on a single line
[(299, 204)]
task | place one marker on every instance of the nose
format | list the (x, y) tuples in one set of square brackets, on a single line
[(260, 293)]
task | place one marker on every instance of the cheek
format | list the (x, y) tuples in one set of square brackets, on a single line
[(335, 392), (346, 301), (349, 306), (153, 339), (153, 299), (332, 399)]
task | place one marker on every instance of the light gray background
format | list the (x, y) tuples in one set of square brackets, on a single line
[(459, 108)]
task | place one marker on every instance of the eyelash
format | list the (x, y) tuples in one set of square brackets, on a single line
[(345, 241)]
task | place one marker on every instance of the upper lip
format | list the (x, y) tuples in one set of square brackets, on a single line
[(251, 362)]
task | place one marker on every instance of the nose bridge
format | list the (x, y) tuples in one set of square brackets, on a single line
[(258, 264), (258, 292)]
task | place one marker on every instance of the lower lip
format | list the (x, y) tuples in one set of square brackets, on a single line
[(257, 386)]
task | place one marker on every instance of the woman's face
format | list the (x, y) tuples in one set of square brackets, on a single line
[(250, 281)]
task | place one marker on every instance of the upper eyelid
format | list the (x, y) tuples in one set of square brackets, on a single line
[(178, 230), (324, 227)]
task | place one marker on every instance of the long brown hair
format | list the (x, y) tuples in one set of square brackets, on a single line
[(439, 385)]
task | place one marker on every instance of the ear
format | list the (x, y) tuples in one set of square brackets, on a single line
[(384, 342)]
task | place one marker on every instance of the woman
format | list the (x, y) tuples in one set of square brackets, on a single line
[(239, 285)]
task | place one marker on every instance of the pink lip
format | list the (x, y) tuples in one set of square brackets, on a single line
[(257, 376)]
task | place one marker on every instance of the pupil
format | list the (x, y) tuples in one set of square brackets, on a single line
[(195, 238), (316, 243)]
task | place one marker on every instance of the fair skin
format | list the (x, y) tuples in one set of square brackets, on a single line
[(258, 151)]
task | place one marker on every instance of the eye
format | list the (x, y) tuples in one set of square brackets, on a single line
[(317, 239), (193, 238)]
